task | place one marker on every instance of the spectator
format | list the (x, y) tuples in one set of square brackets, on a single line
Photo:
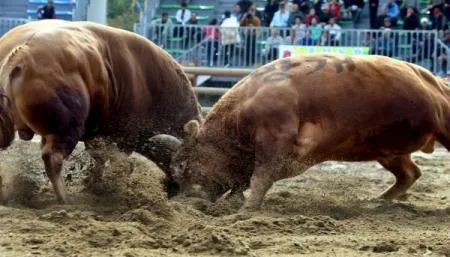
[(47, 11), (212, 37), (387, 24), (384, 45), (393, 11), (334, 9), (256, 12), (373, 9), (334, 31), (424, 24), (194, 34), (237, 12), (312, 14), (245, 5), (307, 40), (230, 36), (354, 10), (438, 21), (316, 30), (269, 11), (183, 15), (411, 21), (381, 18), (273, 43), (295, 12), (162, 29), (303, 6), (442, 56), (281, 17), (298, 30), (407, 4), (250, 20), (324, 16)]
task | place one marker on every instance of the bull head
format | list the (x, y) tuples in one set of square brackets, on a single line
[(171, 154)]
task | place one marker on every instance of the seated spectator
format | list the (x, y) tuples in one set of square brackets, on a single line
[(307, 40), (384, 45), (162, 30), (381, 18), (303, 6), (230, 36), (424, 24), (312, 14), (316, 30), (438, 20), (212, 36), (411, 21), (334, 9), (183, 15), (269, 11), (281, 17), (250, 20), (393, 12), (298, 30), (334, 31), (257, 13), (387, 24), (295, 12), (273, 43), (47, 11)]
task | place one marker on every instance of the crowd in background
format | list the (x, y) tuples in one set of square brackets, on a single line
[(305, 22)]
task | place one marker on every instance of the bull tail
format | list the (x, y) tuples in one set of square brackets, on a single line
[(11, 68)]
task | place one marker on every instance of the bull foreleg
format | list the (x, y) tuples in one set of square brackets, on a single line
[(405, 172), (100, 150)]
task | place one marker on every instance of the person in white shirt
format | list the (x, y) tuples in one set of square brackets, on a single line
[(229, 36), (273, 42), (281, 17), (333, 29), (183, 15)]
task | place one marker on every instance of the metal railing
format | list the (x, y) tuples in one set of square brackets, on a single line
[(6, 24), (249, 47)]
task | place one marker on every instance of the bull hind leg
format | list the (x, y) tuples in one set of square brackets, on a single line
[(405, 172), (54, 150)]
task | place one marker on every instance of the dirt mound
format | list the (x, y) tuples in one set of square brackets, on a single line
[(324, 212)]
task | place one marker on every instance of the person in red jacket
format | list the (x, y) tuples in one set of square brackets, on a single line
[(334, 9)]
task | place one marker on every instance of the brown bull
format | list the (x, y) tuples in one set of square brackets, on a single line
[(79, 81), (297, 112)]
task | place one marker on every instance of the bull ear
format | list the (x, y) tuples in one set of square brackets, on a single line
[(191, 128), (15, 72)]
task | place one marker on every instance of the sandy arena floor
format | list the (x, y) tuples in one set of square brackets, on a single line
[(320, 213)]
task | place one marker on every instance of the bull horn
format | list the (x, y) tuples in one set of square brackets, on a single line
[(165, 141)]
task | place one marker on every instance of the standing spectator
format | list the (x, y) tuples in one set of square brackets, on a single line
[(273, 43), (316, 30), (407, 4), (303, 6), (298, 30), (270, 9), (438, 21), (334, 31), (393, 11), (355, 8), (193, 34), (162, 30), (324, 15), (257, 13), (281, 17), (183, 15), (312, 14), (250, 20), (334, 9), (411, 21), (47, 11), (237, 12), (230, 36), (442, 55), (212, 37), (294, 14), (245, 5), (373, 9)]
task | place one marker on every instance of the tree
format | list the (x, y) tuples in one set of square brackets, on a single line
[(122, 14)]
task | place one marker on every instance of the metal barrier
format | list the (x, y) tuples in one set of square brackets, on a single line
[(6, 24), (249, 47)]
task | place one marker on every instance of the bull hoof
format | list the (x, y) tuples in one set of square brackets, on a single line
[(248, 209)]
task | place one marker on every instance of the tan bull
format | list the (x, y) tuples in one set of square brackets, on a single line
[(296, 112)]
